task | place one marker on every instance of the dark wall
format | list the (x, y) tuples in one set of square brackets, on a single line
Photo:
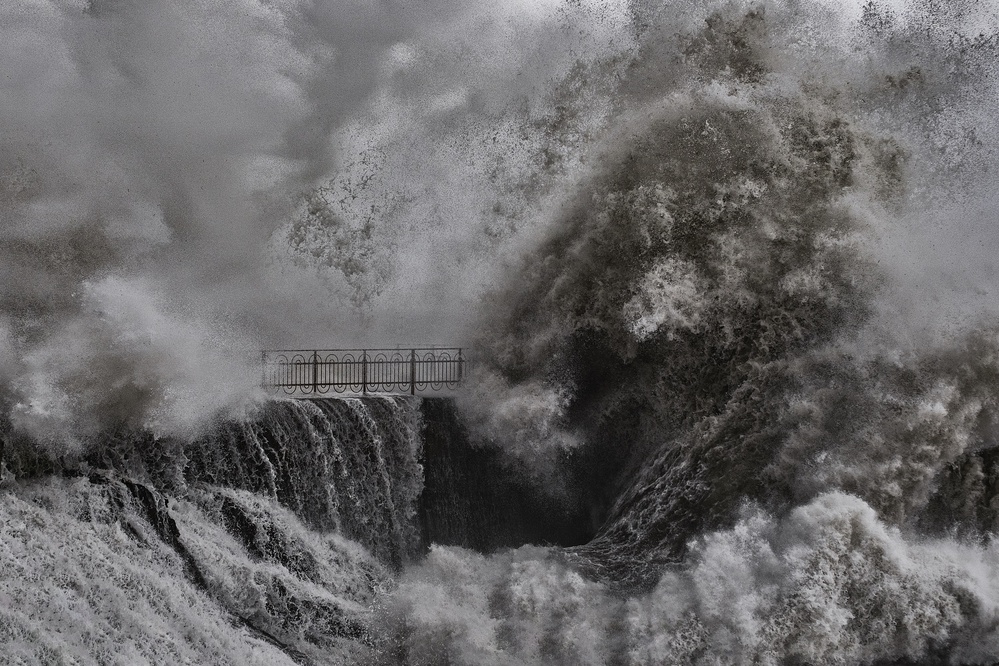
[(474, 497)]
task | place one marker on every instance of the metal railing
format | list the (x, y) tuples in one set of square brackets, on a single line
[(362, 371)]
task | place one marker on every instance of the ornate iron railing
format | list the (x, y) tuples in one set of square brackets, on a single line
[(362, 371)]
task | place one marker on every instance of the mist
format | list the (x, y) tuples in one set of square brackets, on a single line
[(725, 269), (158, 165)]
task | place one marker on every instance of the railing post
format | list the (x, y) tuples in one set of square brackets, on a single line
[(291, 370), (412, 372), (315, 372)]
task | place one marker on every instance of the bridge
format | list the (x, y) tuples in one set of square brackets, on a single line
[(317, 372)]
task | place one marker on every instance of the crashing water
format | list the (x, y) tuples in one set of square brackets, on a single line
[(347, 466), (730, 275), (790, 453), (264, 541)]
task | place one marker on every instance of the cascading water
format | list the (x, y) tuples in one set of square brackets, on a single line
[(346, 465), (729, 272), (253, 521)]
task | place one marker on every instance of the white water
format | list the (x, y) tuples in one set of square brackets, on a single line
[(86, 582), (727, 268)]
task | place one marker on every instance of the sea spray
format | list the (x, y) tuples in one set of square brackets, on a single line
[(740, 292), (798, 466), (828, 583)]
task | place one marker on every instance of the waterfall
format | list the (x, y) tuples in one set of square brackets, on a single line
[(347, 465), (263, 541)]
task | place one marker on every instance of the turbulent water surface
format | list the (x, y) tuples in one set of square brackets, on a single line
[(726, 271)]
